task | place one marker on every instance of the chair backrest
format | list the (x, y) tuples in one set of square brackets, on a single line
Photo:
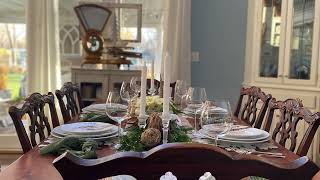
[(291, 112), (172, 85), (34, 107), (185, 161), (72, 106), (248, 110)]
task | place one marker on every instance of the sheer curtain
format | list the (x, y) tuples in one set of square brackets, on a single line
[(43, 55), (177, 38)]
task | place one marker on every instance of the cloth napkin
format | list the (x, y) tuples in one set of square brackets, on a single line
[(83, 148), (93, 117)]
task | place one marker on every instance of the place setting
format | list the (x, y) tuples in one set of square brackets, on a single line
[(216, 127)]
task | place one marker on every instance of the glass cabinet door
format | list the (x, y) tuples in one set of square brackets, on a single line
[(301, 39), (270, 33)]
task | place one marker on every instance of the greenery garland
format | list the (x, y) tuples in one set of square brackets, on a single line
[(131, 141)]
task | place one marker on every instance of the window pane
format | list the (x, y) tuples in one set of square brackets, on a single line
[(270, 38), (12, 60), (301, 40)]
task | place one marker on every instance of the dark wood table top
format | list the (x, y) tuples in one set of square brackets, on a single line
[(34, 166)]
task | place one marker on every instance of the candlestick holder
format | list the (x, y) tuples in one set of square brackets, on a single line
[(142, 120), (165, 123)]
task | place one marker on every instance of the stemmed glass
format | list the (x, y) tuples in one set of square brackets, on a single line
[(126, 92), (114, 110), (196, 97), (216, 119), (153, 91), (181, 89), (135, 85)]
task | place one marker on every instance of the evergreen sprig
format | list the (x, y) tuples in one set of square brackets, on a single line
[(131, 141)]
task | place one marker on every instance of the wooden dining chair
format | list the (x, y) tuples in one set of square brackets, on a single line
[(247, 109), (34, 108), (290, 113), (70, 101), (185, 161), (172, 85)]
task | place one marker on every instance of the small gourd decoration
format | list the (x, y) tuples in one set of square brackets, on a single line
[(150, 137), (155, 121)]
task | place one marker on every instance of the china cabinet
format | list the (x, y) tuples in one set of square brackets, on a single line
[(282, 52)]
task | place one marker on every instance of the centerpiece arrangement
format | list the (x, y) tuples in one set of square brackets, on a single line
[(145, 137), (155, 117)]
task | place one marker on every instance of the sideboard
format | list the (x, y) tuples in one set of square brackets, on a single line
[(95, 84)]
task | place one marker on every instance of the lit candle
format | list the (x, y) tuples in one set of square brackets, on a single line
[(143, 90), (166, 85), (152, 76)]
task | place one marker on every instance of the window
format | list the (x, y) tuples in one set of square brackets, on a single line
[(12, 60), (151, 36)]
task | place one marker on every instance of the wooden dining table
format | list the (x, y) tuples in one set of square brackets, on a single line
[(34, 166)]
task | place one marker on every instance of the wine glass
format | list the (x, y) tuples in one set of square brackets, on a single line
[(196, 97), (135, 85), (153, 90), (181, 89), (216, 119), (126, 92), (115, 110)]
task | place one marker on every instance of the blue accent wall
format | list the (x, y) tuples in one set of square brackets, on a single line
[(219, 34)]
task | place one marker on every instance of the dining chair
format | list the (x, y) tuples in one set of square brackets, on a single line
[(156, 85), (34, 107), (172, 85), (290, 113), (247, 107), (70, 101), (185, 161)]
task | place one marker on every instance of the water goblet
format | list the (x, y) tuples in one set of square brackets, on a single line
[(216, 119), (115, 110)]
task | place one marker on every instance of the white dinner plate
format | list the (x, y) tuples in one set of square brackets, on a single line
[(244, 142), (237, 141), (85, 128), (265, 135), (247, 133), (62, 134), (102, 107)]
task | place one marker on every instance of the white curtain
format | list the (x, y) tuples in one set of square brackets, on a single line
[(177, 38), (43, 54)]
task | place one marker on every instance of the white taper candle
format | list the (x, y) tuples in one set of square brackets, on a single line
[(166, 85), (143, 90), (152, 75)]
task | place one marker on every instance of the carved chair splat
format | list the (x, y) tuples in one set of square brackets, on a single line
[(291, 113), (72, 106), (34, 107), (249, 111)]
